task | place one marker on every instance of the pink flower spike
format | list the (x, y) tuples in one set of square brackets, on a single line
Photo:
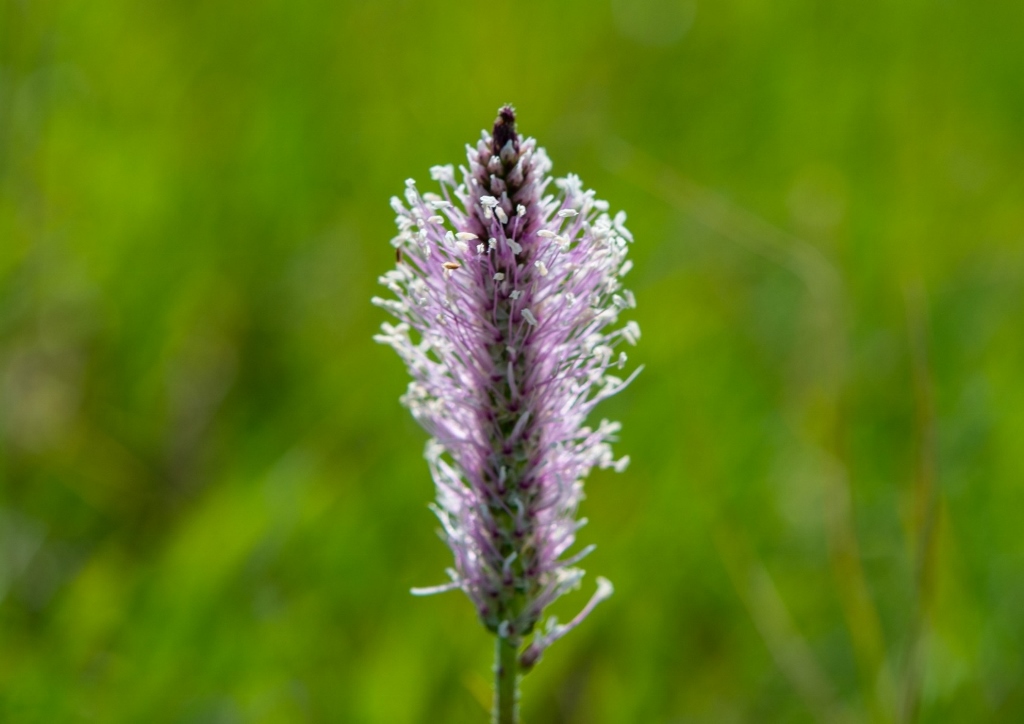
[(510, 345)]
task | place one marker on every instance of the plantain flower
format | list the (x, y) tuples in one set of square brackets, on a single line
[(507, 294)]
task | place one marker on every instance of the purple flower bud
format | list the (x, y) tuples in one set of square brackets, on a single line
[(507, 297)]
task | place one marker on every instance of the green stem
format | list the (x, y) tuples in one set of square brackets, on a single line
[(506, 682)]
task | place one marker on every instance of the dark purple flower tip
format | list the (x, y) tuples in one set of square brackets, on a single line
[(505, 130), (530, 656)]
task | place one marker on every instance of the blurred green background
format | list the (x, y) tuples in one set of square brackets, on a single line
[(212, 506)]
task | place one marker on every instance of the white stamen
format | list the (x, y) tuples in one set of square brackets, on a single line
[(528, 316), (466, 236), (436, 219), (480, 248), (500, 213), (515, 294), (491, 244), (631, 332), (488, 201), (444, 174), (498, 276), (520, 210), (541, 267), (431, 590), (566, 213), (546, 234), (514, 246)]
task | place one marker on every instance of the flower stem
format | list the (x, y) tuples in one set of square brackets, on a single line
[(506, 682)]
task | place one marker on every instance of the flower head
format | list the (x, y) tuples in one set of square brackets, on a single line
[(507, 298)]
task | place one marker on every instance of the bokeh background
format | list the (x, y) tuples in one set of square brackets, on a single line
[(212, 506)]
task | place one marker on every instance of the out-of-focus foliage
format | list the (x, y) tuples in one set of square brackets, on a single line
[(212, 505)]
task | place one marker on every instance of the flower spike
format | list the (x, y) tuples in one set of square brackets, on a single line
[(507, 298)]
